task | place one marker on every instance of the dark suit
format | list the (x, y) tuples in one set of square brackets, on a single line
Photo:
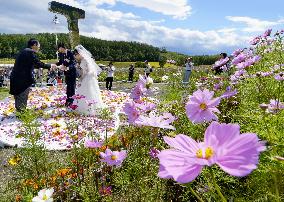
[(22, 76), (67, 59)]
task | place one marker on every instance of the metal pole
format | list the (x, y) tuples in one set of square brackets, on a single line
[(56, 21)]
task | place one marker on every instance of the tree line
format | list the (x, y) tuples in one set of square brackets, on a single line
[(103, 50)]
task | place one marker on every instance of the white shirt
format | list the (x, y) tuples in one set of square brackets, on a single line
[(188, 66), (147, 68), (110, 71)]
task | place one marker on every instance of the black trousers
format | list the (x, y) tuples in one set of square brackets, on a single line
[(70, 91), (218, 70), (109, 81), (21, 100), (130, 77)]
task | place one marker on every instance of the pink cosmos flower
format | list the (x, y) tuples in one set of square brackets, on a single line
[(113, 158), (130, 110), (152, 120), (137, 92), (74, 107), (229, 92), (274, 106), (236, 52), (240, 58), (59, 99), (154, 152), (105, 190), (93, 144), (78, 97), (265, 74), (280, 76), (255, 41), (235, 153), (146, 106), (248, 62), (267, 33), (201, 106), (90, 102), (221, 62), (217, 86)]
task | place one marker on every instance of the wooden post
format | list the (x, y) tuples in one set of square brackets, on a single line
[(73, 15)]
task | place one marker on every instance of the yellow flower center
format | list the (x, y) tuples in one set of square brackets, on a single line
[(199, 153), (113, 157), (209, 152), (203, 106), (44, 197)]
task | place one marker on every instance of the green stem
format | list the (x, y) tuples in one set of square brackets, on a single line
[(194, 193), (276, 188), (223, 199)]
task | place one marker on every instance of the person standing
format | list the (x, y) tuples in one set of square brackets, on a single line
[(110, 74), (1, 79), (66, 58), (188, 69), (40, 76), (22, 74), (148, 68), (222, 64), (131, 73)]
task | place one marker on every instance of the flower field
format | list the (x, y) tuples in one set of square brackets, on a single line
[(53, 119), (218, 138)]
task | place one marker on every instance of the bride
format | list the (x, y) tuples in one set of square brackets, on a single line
[(89, 87)]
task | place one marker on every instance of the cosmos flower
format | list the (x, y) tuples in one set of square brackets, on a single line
[(130, 110), (152, 120), (113, 158), (154, 152), (44, 195), (93, 144), (229, 93), (267, 33), (235, 153), (280, 76), (201, 106)]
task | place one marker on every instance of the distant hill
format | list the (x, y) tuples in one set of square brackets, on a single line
[(10, 44), (103, 50), (197, 59)]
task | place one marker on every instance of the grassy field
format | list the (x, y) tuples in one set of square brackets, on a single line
[(4, 93), (116, 64)]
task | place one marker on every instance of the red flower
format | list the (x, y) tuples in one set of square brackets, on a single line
[(73, 107)]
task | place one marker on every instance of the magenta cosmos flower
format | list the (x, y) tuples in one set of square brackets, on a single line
[(235, 153), (113, 158), (201, 106)]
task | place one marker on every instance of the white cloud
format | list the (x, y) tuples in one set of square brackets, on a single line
[(116, 25), (178, 9), (254, 24)]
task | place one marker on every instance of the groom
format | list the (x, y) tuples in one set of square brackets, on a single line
[(22, 76), (66, 58)]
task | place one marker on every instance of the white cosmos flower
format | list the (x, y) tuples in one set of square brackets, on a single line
[(165, 77), (44, 195)]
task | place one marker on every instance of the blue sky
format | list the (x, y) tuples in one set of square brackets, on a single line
[(186, 26)]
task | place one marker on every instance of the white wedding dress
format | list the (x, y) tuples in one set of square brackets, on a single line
[(89, 88)]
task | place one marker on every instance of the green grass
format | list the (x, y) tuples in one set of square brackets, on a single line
[(116, 64), (4, 92), (12, 61)]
